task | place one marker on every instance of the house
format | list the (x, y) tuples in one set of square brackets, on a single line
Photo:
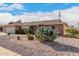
[(55, 24), (11, 28)]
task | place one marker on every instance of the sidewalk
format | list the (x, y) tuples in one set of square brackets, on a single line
[(6, 52), (2, 33)]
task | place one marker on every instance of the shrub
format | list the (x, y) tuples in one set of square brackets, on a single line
[(26, 31), (30, 31), (72, 32), (20, 31), (8, 33), (46, 34), (30, 37)]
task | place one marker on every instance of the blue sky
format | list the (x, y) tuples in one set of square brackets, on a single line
[(35, 7), (47, 7)]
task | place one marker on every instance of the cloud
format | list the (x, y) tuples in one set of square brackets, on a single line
[(39, 16), (5, 18), (3, 5), (15, 6), (6, 7), (70, 15)]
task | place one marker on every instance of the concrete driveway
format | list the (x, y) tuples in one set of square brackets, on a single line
[(6, 52), (2, 33)]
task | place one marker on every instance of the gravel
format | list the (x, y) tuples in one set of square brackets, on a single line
[(62, 46)]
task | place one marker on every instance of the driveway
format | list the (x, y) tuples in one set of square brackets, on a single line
[(2, 33), (6, 52)]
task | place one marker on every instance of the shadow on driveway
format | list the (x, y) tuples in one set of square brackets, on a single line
[(62, 47)]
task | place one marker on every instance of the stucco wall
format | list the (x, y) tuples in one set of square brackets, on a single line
[(65, 28), (25, 27), (60, 29), (9, 29)]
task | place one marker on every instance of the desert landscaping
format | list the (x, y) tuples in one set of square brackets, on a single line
[(62, 46)]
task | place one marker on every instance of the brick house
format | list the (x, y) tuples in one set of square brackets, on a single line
[(55, 24)]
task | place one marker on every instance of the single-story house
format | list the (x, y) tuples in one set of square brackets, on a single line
[(55, 24), (11, 28)]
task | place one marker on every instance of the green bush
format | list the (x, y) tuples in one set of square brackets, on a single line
[(72, 32), (30, 31), (46, 34), (30, 37), (20, 31), (24, 31)]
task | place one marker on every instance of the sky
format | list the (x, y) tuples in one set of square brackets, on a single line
[(28, 12)]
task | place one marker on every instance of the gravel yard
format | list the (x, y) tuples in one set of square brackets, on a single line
[(61, 47)]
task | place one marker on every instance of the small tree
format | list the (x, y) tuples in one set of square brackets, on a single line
[(72, 31), (19, 21), (10, 23)]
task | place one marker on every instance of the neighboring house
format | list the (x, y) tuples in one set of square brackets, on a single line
[(55, 24)]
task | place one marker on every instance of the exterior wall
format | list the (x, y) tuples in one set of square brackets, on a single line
[(17, 27), (60, 29), (65, 27), (25, 27), (10, 29), (4, 29)]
